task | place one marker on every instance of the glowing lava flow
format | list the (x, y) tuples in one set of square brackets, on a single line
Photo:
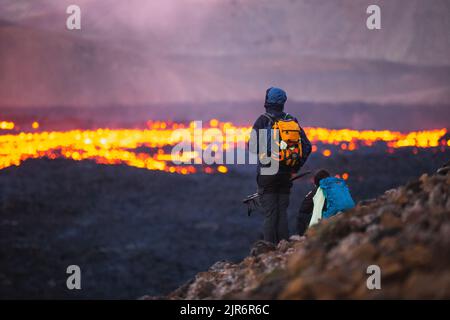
[(6, 125), (124, 146)]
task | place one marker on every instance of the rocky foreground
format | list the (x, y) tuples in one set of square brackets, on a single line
[(406, 232)]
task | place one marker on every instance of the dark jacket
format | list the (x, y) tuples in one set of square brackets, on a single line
[(306, 210), (263, 123)]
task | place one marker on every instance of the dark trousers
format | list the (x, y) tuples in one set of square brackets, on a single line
[(274, 200), (303, 220), (275, 216)]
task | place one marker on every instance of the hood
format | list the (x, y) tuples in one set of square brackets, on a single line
[(275, 100)]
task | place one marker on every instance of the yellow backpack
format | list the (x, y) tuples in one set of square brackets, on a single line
[(289, 150)]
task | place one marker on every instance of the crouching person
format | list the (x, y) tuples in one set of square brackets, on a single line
[(329, 196)]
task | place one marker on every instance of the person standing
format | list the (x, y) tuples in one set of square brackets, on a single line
[(291, 151)]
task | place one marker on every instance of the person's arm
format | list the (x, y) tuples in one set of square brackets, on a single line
[(253, 143), (306, 147)]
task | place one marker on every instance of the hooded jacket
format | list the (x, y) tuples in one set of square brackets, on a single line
[(276, 110)]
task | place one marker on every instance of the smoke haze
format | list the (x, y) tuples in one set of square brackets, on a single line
[(142, 53)]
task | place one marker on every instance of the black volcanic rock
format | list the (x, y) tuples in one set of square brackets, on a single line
[(135, 232)]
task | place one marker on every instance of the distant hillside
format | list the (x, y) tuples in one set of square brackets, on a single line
[(329, 115), (199, 51), (405, 232), (413, 31)]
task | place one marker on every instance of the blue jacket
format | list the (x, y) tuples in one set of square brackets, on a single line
[(337, 195)]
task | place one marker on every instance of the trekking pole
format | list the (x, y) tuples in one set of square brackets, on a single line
[(300, 175), (252, 201)]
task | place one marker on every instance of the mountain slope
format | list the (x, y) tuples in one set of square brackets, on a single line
[(406, 232), (413, 31), (52, 69), (144, 52)]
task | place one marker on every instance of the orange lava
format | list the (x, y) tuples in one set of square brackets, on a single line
[(6, 125), (118, 146)]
